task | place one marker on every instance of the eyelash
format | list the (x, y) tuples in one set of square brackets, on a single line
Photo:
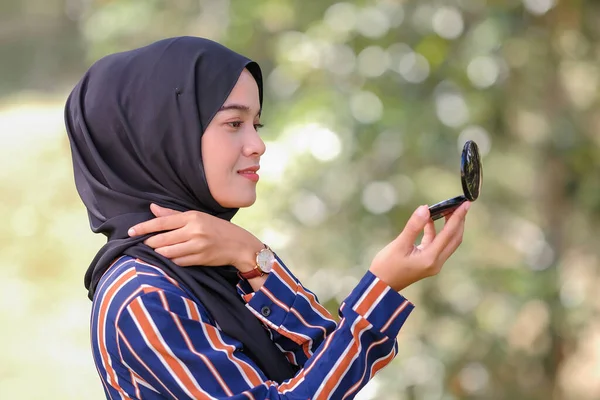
[(231, 124)]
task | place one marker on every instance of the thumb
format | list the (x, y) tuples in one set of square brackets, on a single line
[(414, 227), (159, 211)]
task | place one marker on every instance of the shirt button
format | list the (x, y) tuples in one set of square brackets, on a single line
[(265, 311)]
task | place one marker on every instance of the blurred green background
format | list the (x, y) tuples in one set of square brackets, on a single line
[(367, 105)]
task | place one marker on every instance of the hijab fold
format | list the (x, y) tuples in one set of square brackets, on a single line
[(135, 122)]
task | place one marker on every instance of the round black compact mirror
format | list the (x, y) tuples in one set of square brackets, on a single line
[(471, 175)]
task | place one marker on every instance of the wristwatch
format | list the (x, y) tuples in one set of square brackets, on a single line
[(264, 264)]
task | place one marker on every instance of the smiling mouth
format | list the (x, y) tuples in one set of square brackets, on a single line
[(250, 173)]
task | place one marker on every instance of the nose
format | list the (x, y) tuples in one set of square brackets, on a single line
[(254, 146)]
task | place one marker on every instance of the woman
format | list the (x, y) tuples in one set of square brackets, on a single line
[(186, 304)]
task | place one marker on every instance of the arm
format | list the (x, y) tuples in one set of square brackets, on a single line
[(371, 316), (297, 321), (166, 339)]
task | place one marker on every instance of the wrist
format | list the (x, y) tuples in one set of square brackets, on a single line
[(389, 278), (245, 257)]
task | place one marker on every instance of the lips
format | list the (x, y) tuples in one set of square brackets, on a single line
[(249, 170), (250, 173)]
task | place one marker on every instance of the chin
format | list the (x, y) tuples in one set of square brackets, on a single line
[(239, 201)]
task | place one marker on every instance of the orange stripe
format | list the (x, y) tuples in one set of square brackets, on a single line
[(306, 349), (135, 385), (382, 363), (367, 301), (341, 369), (290, 357), (283, 274), (103, 310), (150, 289), (122, 336), (214, 338), (135, 378), (290, 335), (174, 364)]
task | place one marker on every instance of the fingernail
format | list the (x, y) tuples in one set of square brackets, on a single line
[(131, 232), (468, 206), (422, 211)]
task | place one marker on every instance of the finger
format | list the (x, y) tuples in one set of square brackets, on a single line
[(158, 224), (167, 239), (177, 250), (186, 261), (162, 211), (447, 217), (413, 228), (429, 234), (449, 231), (453, 245)]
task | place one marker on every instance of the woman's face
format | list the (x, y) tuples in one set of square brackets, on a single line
[(231, 146)]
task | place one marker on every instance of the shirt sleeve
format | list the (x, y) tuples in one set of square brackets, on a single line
[(168, 343), (298, 322)]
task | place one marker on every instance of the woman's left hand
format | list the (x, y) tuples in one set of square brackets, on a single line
[(197, 238)]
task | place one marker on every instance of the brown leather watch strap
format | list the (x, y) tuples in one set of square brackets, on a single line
[(255, 273)]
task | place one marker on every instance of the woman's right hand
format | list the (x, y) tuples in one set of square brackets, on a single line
[(402, 263)]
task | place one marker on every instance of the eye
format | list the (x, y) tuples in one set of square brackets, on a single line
[(258, 126), (235, 124)]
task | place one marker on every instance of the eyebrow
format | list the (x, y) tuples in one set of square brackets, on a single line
[(239, 107)]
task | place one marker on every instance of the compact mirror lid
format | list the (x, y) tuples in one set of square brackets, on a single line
[(471, 171)]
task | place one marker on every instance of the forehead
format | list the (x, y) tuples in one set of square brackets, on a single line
[(245, 91)]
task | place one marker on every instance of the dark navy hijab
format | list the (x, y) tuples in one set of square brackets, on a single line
[(135, 122)]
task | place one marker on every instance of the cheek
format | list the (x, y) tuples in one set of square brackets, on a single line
[(219, 158)]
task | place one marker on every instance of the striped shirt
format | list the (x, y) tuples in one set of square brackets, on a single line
[(152, 339)]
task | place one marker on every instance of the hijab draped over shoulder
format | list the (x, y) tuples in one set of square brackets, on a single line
[(135, 123)]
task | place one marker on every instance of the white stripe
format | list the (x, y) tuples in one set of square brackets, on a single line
[(291, 353), (146, 384), (371, 373), (274, 299), (394, 315), (365, 294), (274, 272), (326, 318), (160, 271), (137, 378), (189, 312), (137, 357), (278, 328), (114, 267)]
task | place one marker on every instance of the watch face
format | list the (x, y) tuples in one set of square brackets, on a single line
[(265, 259)]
